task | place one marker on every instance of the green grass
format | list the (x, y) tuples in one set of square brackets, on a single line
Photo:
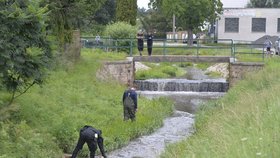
[(161, 70), (244, 123), (171, 70), (45, 121)]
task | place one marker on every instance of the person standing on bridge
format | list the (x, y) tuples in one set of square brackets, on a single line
[(92, 137), (150, 43), (268, 44), (140, 42), (129, 104)]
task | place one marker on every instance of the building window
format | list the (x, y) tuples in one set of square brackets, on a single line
[(258, 24), (278, 26), (231, 24)]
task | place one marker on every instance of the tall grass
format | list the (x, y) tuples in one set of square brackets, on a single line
[(46, 120), (244, 123), (161, 70)]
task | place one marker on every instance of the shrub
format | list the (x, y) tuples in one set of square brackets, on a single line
[(26, 142), (121, 33)]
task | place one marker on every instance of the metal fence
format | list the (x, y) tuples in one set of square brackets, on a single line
[(249, 52), (200, 47)]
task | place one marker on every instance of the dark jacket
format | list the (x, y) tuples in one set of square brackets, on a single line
[(133, 96), (92, 137), (150, 40)]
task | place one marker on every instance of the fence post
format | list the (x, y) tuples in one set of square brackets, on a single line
[(130, 52), (164, 47), (197, 49), (263, 53), (234, 53), (198, 46), (232, 48), (116, 45)]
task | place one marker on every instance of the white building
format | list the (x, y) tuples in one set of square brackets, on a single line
[(248, 24)]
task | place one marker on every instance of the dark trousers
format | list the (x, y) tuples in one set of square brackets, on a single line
[(129, 113), (149, 51), (92, 145)]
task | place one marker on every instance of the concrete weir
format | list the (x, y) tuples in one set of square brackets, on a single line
[(207, 85)]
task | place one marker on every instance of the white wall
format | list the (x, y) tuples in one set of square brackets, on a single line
[(245, 23), (234, 3)]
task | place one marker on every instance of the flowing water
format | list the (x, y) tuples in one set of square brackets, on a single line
[(175, 128), (188, 95), (206, 85)]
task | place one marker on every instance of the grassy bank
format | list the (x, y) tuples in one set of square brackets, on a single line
[(45, 121), (244, 123), (161, 70)]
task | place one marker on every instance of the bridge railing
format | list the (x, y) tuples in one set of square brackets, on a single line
[(248, 52), (200, 47), (162, 46)]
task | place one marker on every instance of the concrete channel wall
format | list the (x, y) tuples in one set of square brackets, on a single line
[(124, 71), (238, 70), (121, 71)]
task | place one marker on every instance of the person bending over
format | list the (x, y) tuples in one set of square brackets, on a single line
[(93, 138)]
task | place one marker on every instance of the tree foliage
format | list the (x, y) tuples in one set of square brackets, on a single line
[(25, 52), (106, 13), (156, 21), (126, 11), (264, 4), (190, 14), (66, 15)]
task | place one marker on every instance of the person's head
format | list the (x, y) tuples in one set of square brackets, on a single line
[(132, 88)]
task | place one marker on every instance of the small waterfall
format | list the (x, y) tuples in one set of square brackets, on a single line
[(205, 85)]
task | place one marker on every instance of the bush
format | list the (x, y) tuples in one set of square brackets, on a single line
[(26, 142), (121, 33)]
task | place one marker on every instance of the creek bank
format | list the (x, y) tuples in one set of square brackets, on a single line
[(181, 124), (175, 128)]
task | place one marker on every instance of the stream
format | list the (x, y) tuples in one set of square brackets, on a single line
[(188, 95), (175, 128)]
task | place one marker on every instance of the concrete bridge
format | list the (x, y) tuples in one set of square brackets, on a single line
[(124, 71), (182, 58)]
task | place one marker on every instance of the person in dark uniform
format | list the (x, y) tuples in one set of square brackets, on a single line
[(129, 104), (150, 43), (92, 137), (140, 42)]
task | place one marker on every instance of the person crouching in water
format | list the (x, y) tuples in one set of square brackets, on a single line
[(129, 104), (92, 137)]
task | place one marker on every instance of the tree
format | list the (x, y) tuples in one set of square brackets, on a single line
[(156, 21), (25, 52), (106, 14), (66, 15), (264, 4), (127, 11), (191, 14)]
